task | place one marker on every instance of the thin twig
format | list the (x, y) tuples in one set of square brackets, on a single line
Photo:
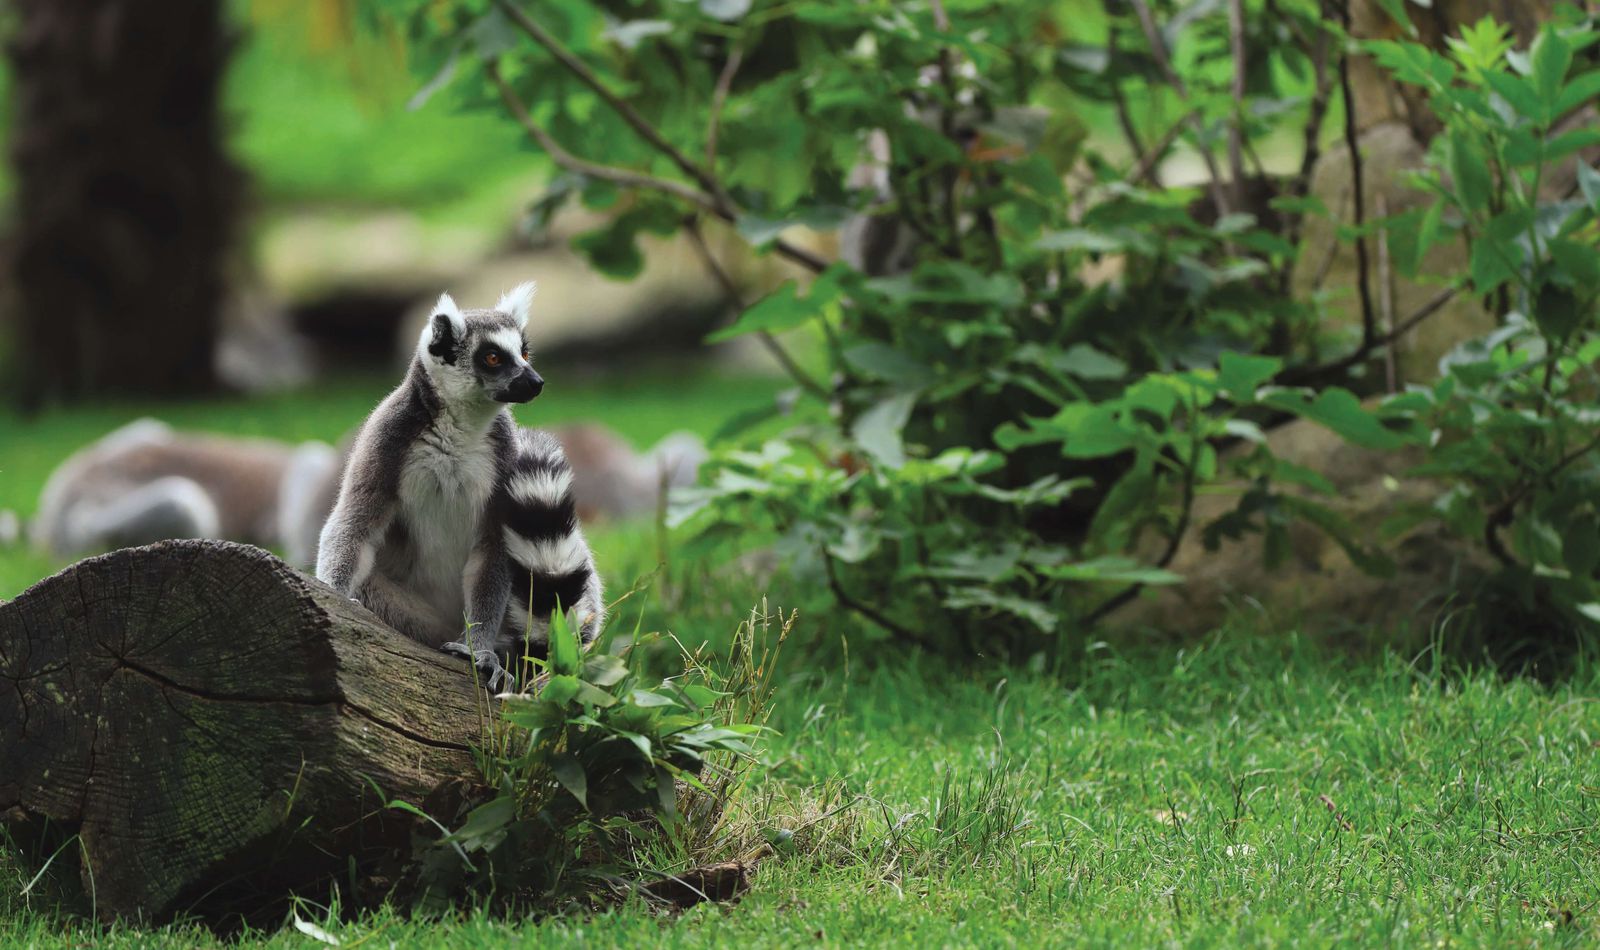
[(1311, 151), (721, 276), (1312, 374), (632, 179), (1503, 513), (582, 166), (1236, 127), (626, 112), (947, 128), (1158, 49), (1124, 118), (719, 98), (865, 610), (1369, 325), (1386, 296), (1144, 172), (1174, 540)]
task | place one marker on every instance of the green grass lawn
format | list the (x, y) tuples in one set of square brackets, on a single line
[(1256, 788), (1244, 791)]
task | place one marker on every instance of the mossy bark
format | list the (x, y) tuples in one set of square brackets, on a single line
[(219, 729)]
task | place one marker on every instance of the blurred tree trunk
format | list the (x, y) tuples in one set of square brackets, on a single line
[(125, 197)]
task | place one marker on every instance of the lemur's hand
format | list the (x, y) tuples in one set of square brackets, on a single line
[(487, 661)]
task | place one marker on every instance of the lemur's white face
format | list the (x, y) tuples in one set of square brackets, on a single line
[(480, 357)]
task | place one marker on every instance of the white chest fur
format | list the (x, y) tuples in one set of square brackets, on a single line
[(445, 483)]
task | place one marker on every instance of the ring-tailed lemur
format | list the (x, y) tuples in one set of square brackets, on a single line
[(446, 507)]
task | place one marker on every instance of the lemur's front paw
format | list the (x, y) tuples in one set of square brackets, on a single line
[(487, 662)]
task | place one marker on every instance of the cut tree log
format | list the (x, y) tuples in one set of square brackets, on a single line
[(218, 729)]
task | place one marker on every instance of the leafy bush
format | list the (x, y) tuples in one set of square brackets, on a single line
[(1032, 349), (1511, 425), (595, 780)]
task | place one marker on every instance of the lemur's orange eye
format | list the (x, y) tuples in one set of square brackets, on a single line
[(525, 356), (491, 359)]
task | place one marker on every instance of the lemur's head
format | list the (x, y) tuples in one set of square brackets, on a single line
[(480, 356)]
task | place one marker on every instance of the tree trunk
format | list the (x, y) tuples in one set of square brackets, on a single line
[(125, 198), (217, 728)]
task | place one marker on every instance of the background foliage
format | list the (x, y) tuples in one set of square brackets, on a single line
[(1034, 350)]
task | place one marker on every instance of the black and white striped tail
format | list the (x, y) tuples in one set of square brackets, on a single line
[(550, 560)]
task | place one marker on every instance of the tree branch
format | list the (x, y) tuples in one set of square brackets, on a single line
[(719, 99), (1236, 127), (1124, 117), (713, 198), (720, 274), (620, 176), (1145, 171), (1174, 540), (1314, 374), (865, 610), (1369, 323), (1158, 49), (626, 112)]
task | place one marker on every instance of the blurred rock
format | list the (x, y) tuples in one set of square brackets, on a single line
[(581, 315)]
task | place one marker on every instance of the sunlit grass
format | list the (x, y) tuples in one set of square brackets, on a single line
[(1248, 791)]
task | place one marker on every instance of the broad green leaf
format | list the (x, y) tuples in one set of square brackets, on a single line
[(604, 669), (1397, 12), (1470, 169), (1489, 265), (890, 364), (1336, 526), (1032, 611), (592, 695), (560, 689), (1557, 311), (1241, 374), (1113, 570), (569, 772), (878, 429), (630, 34), (1086, 362), (1339, 410), (1551, 56), (1580, 548), (1582, 90), (487, 824), (563, 644), (1118, 515), (1518, 93), (783, 309), (1092, 431), (1581, 262), (650, 699), (1589, 181), (1566, 143)]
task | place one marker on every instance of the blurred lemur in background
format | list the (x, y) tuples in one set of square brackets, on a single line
[(449, 516), (145, 483)]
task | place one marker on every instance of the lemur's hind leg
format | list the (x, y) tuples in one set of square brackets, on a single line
[(171, 507), (405, 611)]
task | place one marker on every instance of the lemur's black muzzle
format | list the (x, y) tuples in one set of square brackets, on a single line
[(521, 389)]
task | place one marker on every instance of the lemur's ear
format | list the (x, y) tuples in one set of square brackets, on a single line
[(442, 337), (517, 302)]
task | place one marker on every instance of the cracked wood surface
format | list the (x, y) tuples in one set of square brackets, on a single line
[(200, 713)]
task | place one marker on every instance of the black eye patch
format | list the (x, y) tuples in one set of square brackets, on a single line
[(491, 356)]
